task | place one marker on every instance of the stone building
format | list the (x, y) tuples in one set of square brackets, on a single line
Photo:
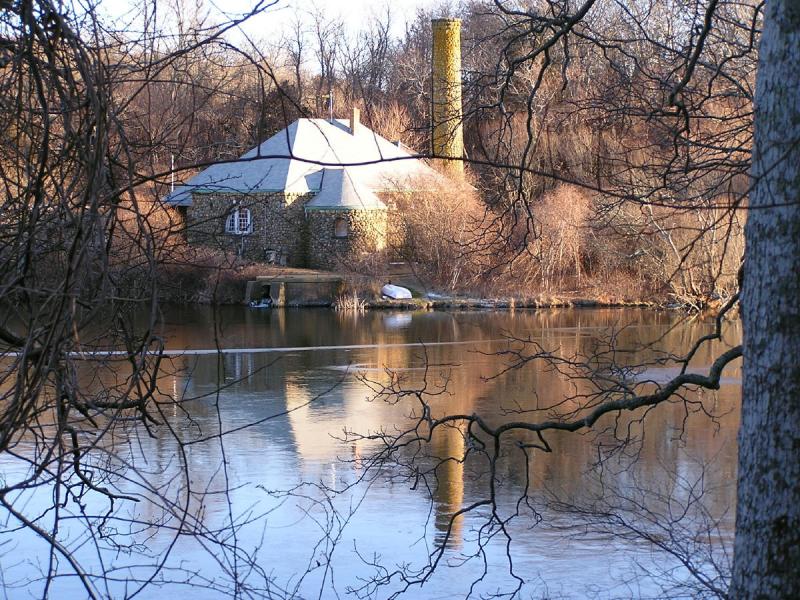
[(319, 193), (316, 194)]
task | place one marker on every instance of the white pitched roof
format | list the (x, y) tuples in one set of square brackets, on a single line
[(281, 163), (340, 191)]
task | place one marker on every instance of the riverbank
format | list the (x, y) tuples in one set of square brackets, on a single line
[(455, 303), (226, 282)]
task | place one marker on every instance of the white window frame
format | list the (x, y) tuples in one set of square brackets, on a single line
[(239, 221)]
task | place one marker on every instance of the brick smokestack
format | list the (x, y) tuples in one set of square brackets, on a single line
[(447, 137)]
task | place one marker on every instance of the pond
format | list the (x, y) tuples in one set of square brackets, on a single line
[(290, 502)]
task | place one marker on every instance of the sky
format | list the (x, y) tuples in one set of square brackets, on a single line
[(355, 13), (276, 20)]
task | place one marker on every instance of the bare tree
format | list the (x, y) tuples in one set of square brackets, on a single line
[(668, 92), (766, 533), (296, 51), (77, 260), (675, 85), (328, 36), (697, 69)]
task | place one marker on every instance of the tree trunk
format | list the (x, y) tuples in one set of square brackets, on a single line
[(767, 548)]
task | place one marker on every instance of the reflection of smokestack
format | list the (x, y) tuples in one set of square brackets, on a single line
[(448, 495), (448, 137)]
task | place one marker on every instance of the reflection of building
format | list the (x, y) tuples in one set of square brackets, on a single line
[(320, 423), (279, 390)]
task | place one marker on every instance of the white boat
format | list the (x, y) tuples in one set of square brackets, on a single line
[(396, 292)]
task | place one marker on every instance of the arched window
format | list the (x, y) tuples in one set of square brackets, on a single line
[(239, 222), (341, 228)]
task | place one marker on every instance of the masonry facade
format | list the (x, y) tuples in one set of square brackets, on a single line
[(337, 239), (281, 230), (276, 229)]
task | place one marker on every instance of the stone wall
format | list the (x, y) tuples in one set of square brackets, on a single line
[(396, 224), (367, 230), (278, 223)]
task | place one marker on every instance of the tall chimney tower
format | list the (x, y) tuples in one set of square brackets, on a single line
[(448, 137)]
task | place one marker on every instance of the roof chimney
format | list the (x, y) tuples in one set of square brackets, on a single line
[(355, 120), (447, 139)]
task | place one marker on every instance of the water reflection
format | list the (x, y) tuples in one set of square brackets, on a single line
[(288, 418), (448, 493)]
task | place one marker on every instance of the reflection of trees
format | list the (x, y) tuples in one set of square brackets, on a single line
[(467, 438)]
